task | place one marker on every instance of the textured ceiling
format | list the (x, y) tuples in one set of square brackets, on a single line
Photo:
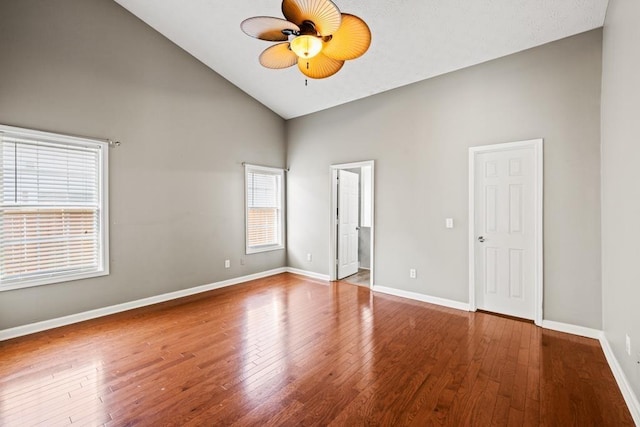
[(412, 40)]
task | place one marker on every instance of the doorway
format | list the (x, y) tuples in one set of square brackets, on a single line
[(505, 229), (352, 224)]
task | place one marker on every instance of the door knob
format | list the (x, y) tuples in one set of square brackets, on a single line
[(481, 239)]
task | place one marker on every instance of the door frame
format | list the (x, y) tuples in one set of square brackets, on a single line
[(538, 179), (333, 268)]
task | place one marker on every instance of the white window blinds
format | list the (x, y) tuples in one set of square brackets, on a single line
[(52, 212), (264, 208)]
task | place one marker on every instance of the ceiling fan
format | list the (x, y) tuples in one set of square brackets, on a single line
[(315, 35)]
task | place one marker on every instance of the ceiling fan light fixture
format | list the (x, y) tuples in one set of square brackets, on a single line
[(306, 46), (315, 35)]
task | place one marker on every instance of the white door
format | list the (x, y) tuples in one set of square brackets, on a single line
[(348, 188), (505, 231)]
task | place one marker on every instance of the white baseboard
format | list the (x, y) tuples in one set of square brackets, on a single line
[(306, 273), (572, 329), (19, 331), (623, 383), (422, 297)]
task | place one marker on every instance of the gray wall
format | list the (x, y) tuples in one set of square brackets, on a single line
[(620, 183), (176, 202), (89, 67), (419, 137)]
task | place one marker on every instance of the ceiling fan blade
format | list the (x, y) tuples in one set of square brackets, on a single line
[(324, 14), (352, 39), (320, 66), (278, 56), (268, 28)]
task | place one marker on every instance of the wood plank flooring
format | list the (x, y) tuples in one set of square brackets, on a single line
[(361, 278), (291, 351)]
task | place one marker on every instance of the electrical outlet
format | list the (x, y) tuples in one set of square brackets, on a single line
[(241, 261), (227, 263), (627, 344), (448, 222), (309, 257), (412, 273)]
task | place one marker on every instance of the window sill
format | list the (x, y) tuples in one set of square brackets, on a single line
[(258, 249), (52, 280)]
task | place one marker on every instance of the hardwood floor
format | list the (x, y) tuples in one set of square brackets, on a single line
[(286, 350)]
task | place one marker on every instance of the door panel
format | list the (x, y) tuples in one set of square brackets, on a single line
[(504, 250), (491, 270), (348, 220)]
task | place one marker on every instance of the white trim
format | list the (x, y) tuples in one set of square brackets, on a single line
[(572, 329), (353, 165), (333, 227), (19, 331), (422, 297), (271, 169), (537, 145), (53, 136), (623, 383), (333, 230), (104, 188), (306, 273)]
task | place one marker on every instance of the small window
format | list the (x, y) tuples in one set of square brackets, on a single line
[(53, 208), (264, 209)]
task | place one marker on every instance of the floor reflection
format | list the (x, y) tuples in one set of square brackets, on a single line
[(67, 393), (265, 338)]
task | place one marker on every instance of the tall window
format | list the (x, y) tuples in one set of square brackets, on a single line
[(53, 208), (264, 208)]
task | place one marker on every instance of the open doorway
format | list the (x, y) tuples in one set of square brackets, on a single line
[(352, 224)]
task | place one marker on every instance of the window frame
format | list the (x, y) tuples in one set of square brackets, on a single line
[(248, 168), (103, 205)]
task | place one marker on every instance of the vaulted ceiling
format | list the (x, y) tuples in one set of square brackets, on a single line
[(412, 40)]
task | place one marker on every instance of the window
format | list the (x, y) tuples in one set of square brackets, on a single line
[(264, 208), (53, 208)]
